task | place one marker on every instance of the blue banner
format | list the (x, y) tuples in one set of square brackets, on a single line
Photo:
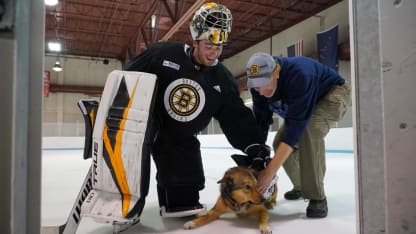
[(328, 47)]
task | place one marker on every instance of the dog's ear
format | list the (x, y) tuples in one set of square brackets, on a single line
[(227, 180), (224, 177), (222, 180)]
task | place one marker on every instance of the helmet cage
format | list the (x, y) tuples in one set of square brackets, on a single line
[(211, 22)]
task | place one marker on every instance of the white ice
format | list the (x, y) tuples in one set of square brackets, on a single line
[(63, 171)]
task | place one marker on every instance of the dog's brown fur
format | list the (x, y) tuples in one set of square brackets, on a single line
[(239, 194)]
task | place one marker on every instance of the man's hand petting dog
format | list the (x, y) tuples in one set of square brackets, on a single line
[(240, 195)]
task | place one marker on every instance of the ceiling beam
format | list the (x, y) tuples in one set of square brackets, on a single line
[(182, 20), (134, 37), (166, 5)]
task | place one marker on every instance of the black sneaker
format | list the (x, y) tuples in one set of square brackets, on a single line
[(317, 209), (293, 194)]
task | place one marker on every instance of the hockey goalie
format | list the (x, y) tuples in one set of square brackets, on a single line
[(118, 133)]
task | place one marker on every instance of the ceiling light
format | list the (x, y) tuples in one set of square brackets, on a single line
[(54, 46), (153, 21), (51, 2), (57, 67)]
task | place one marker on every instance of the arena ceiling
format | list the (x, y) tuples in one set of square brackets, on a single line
[(120, 29)]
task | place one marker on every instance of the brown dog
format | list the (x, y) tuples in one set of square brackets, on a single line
[(239, 194)]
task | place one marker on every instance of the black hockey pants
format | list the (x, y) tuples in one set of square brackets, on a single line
[(180, 174)]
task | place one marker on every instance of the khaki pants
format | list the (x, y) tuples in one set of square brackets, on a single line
[(306, 165)]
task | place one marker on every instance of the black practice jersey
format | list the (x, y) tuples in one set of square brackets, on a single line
[(189, 95)]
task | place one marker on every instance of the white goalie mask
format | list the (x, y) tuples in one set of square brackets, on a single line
[(211, 22)]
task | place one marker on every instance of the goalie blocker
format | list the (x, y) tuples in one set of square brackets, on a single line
[(117, 184)]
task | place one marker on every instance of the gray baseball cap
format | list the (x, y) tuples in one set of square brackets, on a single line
[(259, 70)]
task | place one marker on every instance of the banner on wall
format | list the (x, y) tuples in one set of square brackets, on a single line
[(328, 47), (295, 49), (46, 83)]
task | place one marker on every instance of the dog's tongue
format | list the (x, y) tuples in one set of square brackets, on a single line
[(269, 192)]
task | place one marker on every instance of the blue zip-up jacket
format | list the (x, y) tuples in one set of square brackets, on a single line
[(302, 82)]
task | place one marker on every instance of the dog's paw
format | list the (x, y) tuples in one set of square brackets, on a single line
[(189, 225), (265, 229)]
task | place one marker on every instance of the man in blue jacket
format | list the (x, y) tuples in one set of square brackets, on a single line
[(311, 98)]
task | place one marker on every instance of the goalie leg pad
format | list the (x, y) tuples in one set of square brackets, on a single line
[(120, 146)]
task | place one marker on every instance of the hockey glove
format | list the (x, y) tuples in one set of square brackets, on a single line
[(242, 160), (257, 157), (260, 155)]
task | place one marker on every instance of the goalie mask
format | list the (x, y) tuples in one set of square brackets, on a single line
[(211, 22)]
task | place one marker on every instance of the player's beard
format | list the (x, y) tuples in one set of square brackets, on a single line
[(203, 60)]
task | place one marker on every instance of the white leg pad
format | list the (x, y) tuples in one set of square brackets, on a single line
[(117, 151)]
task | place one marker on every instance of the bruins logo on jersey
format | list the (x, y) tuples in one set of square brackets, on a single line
[(184, 99)]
